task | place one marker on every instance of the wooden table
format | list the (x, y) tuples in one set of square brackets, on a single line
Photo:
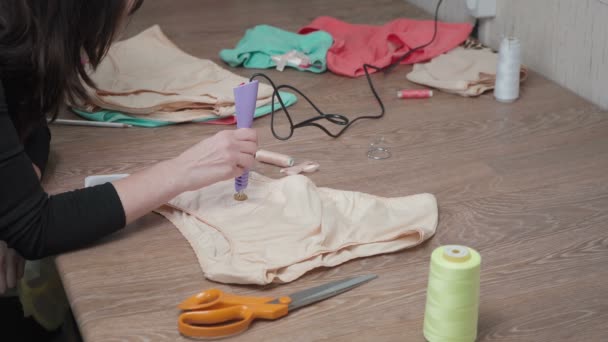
[(526, 184)]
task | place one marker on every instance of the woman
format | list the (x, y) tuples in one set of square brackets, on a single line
[(42, 43)]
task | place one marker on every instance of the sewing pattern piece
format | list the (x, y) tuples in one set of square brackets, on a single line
[(289, 226), (265, 46), (355, 45)]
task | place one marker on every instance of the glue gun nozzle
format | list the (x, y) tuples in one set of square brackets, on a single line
[(240, 196)]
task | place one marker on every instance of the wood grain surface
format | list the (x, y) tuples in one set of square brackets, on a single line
[(526, 184)]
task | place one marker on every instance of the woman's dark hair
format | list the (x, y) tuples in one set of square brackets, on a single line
[(42, 42)]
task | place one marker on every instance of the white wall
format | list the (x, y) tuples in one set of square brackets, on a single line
[(565, 40), (450, 10)]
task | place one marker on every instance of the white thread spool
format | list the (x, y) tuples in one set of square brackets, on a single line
[(274, 158), (507, 70)]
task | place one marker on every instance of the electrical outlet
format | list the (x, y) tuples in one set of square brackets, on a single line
[(482, 8)]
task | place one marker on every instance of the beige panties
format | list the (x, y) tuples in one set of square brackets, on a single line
[(289, 226)]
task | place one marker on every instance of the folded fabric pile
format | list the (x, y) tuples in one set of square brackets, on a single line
[(343, 48), (263, 45), (148, 81), (464, 71), (355, 45)]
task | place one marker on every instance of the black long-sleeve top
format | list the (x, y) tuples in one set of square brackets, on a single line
[(32, 222)]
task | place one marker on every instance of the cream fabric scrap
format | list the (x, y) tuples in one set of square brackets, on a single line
[(462, 71), (148, 75), (289, 226)]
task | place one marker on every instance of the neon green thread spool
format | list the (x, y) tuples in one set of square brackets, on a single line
[(452, 300)]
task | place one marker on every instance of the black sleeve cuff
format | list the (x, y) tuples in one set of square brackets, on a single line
[(81, 217)]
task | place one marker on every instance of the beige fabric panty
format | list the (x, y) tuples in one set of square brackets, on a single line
[(289, 226), (148, 75), (463, 71)]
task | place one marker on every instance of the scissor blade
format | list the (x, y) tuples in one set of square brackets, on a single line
[(319, 293)]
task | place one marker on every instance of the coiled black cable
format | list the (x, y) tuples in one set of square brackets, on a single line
[(337, 119)]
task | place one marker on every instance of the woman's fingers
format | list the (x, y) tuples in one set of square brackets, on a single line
[(248, 147), (20, 268), (246, 160), (246, 134), (11, 268)]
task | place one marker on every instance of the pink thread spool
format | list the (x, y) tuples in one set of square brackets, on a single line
[(414, 94)]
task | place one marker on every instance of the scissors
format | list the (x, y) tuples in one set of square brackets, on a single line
[(216, 314)]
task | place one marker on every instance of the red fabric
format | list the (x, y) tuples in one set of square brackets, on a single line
[(230, 120), (355, 45)]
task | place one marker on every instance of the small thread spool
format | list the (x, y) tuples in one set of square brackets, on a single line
[(508, 68), (274, 158), (414, 94), (452, 302)]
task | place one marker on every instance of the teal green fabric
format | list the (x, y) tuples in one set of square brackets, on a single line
[(140, 121), (262, 42)]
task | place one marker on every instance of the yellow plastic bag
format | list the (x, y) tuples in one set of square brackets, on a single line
[(42, 295)]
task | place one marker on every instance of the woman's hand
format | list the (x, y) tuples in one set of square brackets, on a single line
[(223, 156), (12, 266)]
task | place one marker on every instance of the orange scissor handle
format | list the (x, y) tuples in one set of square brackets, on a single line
[(207, 324), (214, 313), (227, 320), (216, 298)]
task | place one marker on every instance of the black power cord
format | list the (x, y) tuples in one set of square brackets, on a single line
[(337, 119)]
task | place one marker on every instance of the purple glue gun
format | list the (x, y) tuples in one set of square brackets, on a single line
[(245, 97)]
